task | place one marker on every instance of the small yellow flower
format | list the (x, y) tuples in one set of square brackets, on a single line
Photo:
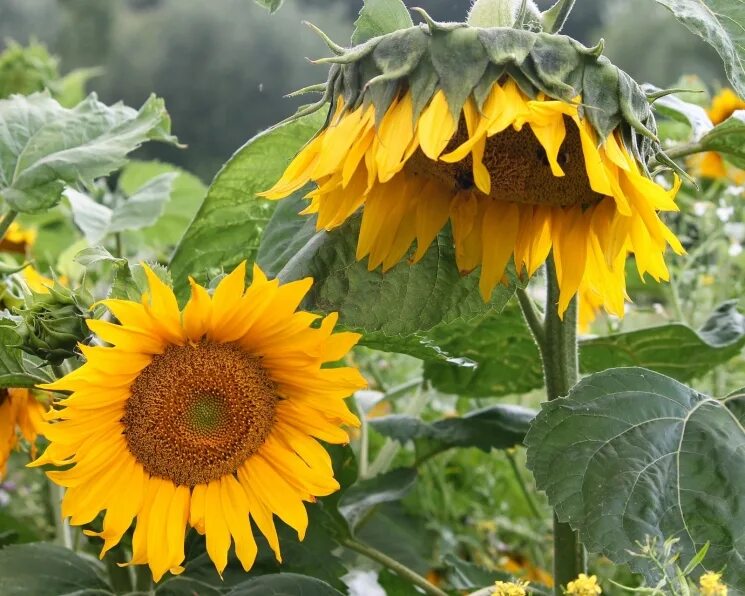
[(584, 586), (711, 584), (510, 588)]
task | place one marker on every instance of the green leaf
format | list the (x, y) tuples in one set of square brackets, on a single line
[(674, 349), (719, 23), (46, 146), (728, 138), (187, 194), (379, 17), (91, 217), (144, 207), (631, 454), (227, 227), (44, 569), (17, 369), (397, 311), (271, 5), (283, 584), (682, 111), (186, 586), (496, 427), (465, 575), (360, 498)]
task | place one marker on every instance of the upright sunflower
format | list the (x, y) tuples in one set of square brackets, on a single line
[(20, 412), (205, 417), (526, 142)]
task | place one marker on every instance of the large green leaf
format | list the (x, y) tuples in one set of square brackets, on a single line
[(44, 146), (17, 369), (496, 427), (360, 498), (44, 569), (719, 23), (379, 17), (283, 584), (227, 227), (631, 454), (495, 355), (728, 138), (401, 310)]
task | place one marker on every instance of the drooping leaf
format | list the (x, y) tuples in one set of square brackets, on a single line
[(45, 146), (728, 138), (496, 427), (44, 569), (682, 111), (17, 369), (631, 454), (283, 584), (228, 225), (144, 206), (719, 23), (359, 499), (271, 5), (379, 17)]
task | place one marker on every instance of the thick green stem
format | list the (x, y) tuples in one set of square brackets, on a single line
[(400, 569), (561, 371), (6, 221)]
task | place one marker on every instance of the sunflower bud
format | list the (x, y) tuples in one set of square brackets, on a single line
[(52, 324)]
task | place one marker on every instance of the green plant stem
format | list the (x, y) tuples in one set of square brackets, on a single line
[(684, 150), (559, 356), (521, 482), (63, 535), (119, 245), (143, 579), (400, 569), (6, 221), (119, 577), (532, 317)]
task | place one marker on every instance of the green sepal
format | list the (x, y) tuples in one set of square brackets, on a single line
[(399, 53)]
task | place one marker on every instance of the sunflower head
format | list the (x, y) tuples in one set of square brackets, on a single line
[(528, 142), (206, 417)]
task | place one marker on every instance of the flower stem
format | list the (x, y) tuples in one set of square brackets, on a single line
[(523, 487), (6, 221), (400, 569), (119, 577), (558, 348)]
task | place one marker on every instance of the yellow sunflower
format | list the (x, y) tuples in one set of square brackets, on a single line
[(522, 163), (711, 164), (20, 411), (17, 239), (205, 417)]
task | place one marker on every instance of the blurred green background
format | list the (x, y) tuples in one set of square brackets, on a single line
[(223, 66)]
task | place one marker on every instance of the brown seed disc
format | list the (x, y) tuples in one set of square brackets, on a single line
[(196, 413), (519, 169)]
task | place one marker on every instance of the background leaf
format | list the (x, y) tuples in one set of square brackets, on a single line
[(631, 454), (271, 5), (17, 369), (283, 584), (227, 227), (44, 569), (728, 138), (49, 146), (719, 23), (379, 17), (360, 498)]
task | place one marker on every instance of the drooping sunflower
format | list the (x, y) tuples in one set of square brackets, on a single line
[(528, 143), (20, 413), (205, 417), (711, 164)]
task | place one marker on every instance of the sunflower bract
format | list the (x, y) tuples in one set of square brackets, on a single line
[(206, 417), (527, 143)]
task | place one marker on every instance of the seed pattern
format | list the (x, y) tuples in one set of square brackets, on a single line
[(196, 412)]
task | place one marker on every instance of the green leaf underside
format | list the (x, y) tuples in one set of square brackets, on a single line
[(495, 355), (719, 23), (631, 453), (44, 147), (497, 427), (227, 227), (17, 369), (399, 310), (360, 498), (728, 138), (44, 569), (271, 5), (283, 584), (378, 17)]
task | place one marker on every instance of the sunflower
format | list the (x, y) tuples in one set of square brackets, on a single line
[(17, 239), (527, 143), (206, 417), (19, 411), (711, 164)]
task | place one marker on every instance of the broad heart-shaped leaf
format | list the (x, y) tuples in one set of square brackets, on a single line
[(719, 23), (495, 355), (283, 584), (44, 146), (227, 227), (359, 499), (379, 17), (496, 427), (271, 5), (397, 311), (630, 454), (17, 369), (728, 138), (44, 569)]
